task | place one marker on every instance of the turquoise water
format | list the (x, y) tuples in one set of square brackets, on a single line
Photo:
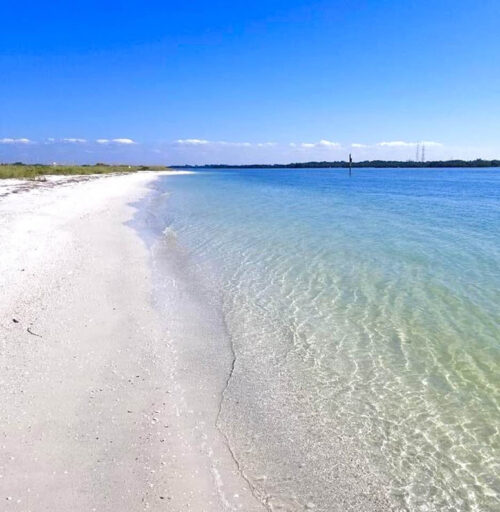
[(364, 316)]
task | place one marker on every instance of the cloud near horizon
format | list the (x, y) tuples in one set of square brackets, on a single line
[(192, 142), (204, 142), (194, 151), (65, 140), (75, 140), (321, 144), (115, 141), (8, 140), (199, 151), (402, 144)]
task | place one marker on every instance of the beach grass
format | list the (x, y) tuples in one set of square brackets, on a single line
[(20, 171)]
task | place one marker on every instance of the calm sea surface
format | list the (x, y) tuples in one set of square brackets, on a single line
[(364, 314)]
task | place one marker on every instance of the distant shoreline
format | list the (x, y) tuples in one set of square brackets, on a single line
[(20, 170), (377, 164)]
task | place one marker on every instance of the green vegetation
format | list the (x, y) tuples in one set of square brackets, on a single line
[(20, 170)]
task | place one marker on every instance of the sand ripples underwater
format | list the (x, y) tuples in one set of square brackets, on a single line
[(364, 318)]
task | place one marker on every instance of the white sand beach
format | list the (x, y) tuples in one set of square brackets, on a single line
[(95, 414)]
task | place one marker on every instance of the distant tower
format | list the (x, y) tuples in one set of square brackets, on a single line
[(423, 153), (417, 156)]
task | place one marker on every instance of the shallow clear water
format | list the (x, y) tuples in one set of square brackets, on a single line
[(364, 315)]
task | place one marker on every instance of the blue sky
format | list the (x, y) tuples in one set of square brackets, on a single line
[(241, 82)]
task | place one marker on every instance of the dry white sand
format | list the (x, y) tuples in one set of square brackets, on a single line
[(93, 415)]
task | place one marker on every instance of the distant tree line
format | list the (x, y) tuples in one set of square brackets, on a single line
[(342, 164)]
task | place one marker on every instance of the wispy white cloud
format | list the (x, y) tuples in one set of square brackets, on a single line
[(395, 144), (123, 141), (192, 142), (328, 144), (234, 144), (321, 144), (15, 141), (204, 142), (115, 141), (74, 140), (402, 144), (431, 143), (357, 145)]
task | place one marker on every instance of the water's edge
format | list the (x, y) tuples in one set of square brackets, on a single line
[(356, 486), (347, 328)]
